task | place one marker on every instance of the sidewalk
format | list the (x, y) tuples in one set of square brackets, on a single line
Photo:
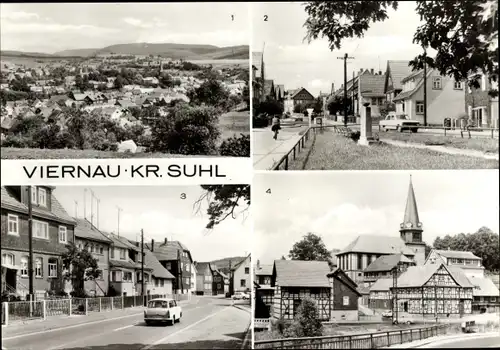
[(442, 149), (441, 338), (267, 151)]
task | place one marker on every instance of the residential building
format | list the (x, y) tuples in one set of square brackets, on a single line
[(279, 90), (269, 89), (161, 281), (176, 258), (431, 291), (380, 297), (345, 297), (204, 278), (443, 94), (370, 90), (258, 76), (240, 275), (384, 266), (262, 282), (480, 106), (194, 275), (220, 284), (296, 97), (53, 229), (88, 237), (394, 73)]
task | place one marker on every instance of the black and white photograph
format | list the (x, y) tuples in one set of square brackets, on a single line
[(126, 267), (124, 80), (366, 260), (375, 85)]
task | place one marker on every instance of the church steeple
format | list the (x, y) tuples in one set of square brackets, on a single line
[(411, 227)]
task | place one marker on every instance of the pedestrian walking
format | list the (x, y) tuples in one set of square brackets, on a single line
[(275, 126)]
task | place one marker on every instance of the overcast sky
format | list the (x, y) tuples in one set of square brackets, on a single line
[(339, 206), (161, 212), (295, 63), (52, 27)]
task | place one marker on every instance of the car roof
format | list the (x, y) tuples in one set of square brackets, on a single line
[(161, 299)]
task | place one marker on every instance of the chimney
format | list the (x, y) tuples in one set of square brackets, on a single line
[(152, 245), (165, 242), (371, 71), (360, 70), (258, 264), (379, 72)]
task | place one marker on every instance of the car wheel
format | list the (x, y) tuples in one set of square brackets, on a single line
[(148, 323), (408, 322), (395, 322)]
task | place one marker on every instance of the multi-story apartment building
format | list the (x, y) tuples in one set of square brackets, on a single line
[(53, 229)]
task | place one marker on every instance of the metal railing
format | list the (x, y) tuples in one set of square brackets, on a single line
[(301, 143), (354, 341), (41, 309)]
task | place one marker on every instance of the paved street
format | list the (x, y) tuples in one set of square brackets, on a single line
[(267, 151), (467, 342), (207, 322)]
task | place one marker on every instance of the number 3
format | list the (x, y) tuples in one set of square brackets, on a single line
[(183, 196)]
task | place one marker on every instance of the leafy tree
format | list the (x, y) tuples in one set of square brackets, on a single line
[(311, 248), (300, 108), (283, 257), (223, 201), (459, 31), (306, 322), (80, 266), (336, 105), (211, 93), (484, 243), (187, 130), (271, 107), (236, 146), (386, 108)]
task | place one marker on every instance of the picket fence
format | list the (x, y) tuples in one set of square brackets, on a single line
[(41, 309)]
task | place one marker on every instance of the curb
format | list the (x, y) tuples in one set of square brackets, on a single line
[(243, 308), (462, 336), (248, 337)]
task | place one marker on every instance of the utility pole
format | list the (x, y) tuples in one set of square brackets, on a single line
[(119, 210), (30, 237), (345, 58), (76, 209), (395, 306), (425, 87), (142, 262), (353, 105), (231, 285), (179, 263)]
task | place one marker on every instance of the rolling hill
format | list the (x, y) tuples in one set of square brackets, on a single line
[(223, 264)]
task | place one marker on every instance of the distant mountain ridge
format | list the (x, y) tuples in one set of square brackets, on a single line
[(174, 51), (223, 264)]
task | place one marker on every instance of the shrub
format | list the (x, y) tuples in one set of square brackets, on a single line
[(260, 121), (17, 141), (236, 146), (355, 136), (306, 322)]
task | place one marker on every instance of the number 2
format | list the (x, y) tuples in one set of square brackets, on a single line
[(265, 18)]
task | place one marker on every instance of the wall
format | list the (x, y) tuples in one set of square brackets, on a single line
[(122, 287), (239, 274), (344, 315), (166, 289), (340, 290), (102, 286)]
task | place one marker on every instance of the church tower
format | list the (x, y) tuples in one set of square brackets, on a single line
[(411, 228)]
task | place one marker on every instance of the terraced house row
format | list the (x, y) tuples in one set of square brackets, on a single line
[(168, 265)]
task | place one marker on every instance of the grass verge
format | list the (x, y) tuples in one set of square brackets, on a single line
[(335, 152), (487, 145)]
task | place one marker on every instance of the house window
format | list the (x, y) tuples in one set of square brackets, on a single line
[(162, 283), (116, 276), (52, 268), (101, 250), (243, 283), (42, 197), (127, 276), (247, 270), (13, 224), (63, 234), (38, 267), (33, 195), (168, 266), (112, 252), (218, 286), (420, 107), (436, 83), (8, 259), (122, 254), (40, 229), (360, 262), (345, 301), (458, 85), (24, 266), (156, 282)]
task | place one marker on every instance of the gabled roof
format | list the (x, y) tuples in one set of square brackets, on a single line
[(371, 85), (240, 262), (382, 285), (158, 270), (121, 242), (397, 70), (57, 212), (203, 266), (168, 251), (297, 91), (300, 273), (418, 85), (268, 87), (484, 287), (387, 262), (86, 230), (341, 276), (280, 91), (264, 270), (455, 254), (417, 276), (377, 245)]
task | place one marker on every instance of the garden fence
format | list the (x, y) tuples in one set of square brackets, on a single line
[(41, 309), (355, 341), (282, 164)]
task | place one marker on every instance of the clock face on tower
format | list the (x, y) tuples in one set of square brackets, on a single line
[(409, 225), (419, 224), (402, 225)]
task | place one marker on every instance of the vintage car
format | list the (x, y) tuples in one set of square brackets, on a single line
[(162, 310), (399, 122), (240, 296)]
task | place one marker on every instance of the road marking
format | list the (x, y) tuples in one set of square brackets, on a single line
[(69, 327), (183, 329), (125, 327)]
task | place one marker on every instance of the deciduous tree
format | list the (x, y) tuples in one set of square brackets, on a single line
[(79, 266), (307, 322), (312, 248)]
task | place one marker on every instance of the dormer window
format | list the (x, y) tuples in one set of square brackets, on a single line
[(42, 197), (34, 198)]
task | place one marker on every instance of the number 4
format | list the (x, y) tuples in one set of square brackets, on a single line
[(268, 191)]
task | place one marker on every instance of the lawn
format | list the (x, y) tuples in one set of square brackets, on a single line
[(234, 123), (487, 145), (36, 153), (335, 152)]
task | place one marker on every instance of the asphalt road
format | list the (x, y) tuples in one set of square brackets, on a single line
[(473, 343), (211, 322)]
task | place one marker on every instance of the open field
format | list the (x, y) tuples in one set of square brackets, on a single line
[(335, 152), (487, 145), (234, 123)]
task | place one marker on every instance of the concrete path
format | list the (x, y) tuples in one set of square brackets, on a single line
[(267, 151), (452, 341), (443, 149)]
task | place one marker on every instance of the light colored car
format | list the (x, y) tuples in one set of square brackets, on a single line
[(240, 296), (162, 310), (399, 122), (387, 314)]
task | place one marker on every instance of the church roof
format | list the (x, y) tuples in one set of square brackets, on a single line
[(411, 211), (387, 262), (375, 244)]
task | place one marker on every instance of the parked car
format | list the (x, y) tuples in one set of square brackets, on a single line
[(399, 122), (387, 314), (469, 327), (241, 296), (162, 310)]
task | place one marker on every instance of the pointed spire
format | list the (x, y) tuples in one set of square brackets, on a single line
[(411, 211)]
